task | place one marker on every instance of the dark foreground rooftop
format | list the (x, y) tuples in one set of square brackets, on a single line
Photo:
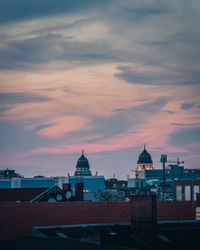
[(32, 243), (58, 243), (168, 235)]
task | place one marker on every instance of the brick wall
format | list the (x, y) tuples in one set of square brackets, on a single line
[(176, 210), (17, 219)]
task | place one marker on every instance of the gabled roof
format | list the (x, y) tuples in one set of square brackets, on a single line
[(49, 192), (19, 194)]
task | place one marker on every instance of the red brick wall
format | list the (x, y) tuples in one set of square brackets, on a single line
[(142, 206), (17, 219), (176, 210)]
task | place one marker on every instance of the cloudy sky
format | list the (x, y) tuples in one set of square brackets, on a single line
[(106, 76)]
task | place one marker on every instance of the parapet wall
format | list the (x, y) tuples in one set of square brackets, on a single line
[(176, 210), (17, 219)]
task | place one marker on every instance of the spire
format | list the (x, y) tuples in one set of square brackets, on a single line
[(82, 151), (144, 146)]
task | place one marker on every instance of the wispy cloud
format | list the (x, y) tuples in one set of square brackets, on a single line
[(107, 76)]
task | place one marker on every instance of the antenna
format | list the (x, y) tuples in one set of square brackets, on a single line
[(163, 159)]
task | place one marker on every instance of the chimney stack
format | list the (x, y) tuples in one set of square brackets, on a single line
[(79, 191), (66, 187)]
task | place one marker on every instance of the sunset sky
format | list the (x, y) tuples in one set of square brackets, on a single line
[(106, 76)]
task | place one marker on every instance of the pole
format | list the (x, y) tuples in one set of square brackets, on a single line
[(163, 159)]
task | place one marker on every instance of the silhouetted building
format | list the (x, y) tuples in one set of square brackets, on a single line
[(172, 172), (82, 166), (115, 184), (8, 174), (144, 162)]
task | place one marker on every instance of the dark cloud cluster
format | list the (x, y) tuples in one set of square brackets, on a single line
[(185, 136), (168, 111), (187, 106), (12, 11), (184, 124), (13, 98), (158, 78), (164, 34), (47, 48)]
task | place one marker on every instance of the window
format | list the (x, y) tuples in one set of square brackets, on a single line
[(179, 193), (195, 191), (187, 193)]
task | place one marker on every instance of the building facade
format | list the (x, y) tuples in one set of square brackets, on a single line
[(186, 190), (171, 172)]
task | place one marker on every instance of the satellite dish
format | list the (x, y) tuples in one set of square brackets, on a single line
[(59, 197), (51, 199), (68, 195)]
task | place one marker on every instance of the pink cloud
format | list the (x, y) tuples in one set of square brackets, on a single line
[(62, 125)]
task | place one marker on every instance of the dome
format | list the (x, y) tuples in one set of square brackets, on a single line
[(144, 157), (82, 162)]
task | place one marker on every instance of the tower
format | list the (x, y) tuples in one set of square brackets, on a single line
[(144, 161), (82, 166)]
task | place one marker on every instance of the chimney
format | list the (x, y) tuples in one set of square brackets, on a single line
[(79, 191), (66, 187), (143, 215)]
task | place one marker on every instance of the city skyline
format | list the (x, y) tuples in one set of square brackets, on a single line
[(105, 77)]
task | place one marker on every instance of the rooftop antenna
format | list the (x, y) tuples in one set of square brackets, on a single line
[(178, 162), (163, 159)]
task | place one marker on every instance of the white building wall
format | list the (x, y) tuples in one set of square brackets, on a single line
[(195, 191), (179, 193), (187, 193), (16, 183), (60, 180)]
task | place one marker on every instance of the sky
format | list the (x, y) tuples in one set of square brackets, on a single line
[(105, 76)]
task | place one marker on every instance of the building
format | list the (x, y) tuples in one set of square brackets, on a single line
[(82, 166), (186, 190), (171, 172), (145, 170), (144, 162), (8, 174), (113, 183), (20, 194), (82, 175), (140, 215), (90, 183)]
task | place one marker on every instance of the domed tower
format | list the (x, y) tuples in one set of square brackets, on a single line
[(144, 161), (82, 166)]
